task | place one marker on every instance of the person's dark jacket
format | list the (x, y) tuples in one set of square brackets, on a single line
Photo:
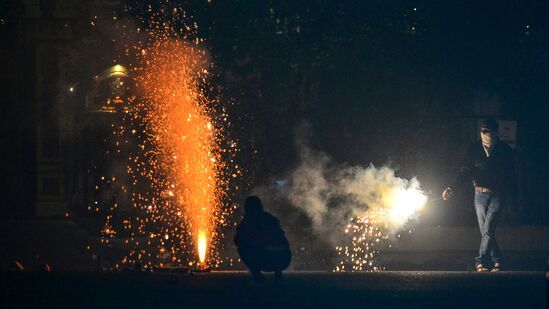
[(496, 172), (260, 231)]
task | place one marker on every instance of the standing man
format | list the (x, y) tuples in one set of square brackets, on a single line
[(489, 164)]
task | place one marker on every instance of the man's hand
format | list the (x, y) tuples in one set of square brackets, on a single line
[(447, 193)]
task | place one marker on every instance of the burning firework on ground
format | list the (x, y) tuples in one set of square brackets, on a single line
[(181, 165), (369, 233), (185, 136), (369, 205)]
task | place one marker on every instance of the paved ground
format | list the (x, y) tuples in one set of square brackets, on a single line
[(299, 290), (63, 245)]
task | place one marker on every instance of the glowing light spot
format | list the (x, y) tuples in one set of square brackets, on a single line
[(406, 203), (202, 245)]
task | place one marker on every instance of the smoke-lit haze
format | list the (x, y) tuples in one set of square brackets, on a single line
[(331, 194)]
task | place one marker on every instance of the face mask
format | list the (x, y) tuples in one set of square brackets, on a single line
[(488, 138)]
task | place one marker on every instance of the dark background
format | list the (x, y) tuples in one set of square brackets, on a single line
[(389, 82)]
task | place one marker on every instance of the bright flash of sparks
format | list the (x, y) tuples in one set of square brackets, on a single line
[(404, 204), (369, 233)]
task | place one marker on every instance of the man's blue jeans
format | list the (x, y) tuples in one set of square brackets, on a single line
[(489, 209)]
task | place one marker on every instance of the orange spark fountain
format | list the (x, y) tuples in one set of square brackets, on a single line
[(182, 156), (180, 161), (184, 132)]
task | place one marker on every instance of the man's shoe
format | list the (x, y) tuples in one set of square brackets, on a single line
[(497, 267), (481, 269)]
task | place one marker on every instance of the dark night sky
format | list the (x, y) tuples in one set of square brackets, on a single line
[(375, 66), (380, 81), (383, 82)]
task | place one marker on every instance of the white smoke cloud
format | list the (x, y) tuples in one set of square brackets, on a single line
[(355, 210), (330, 194), (310, 191)]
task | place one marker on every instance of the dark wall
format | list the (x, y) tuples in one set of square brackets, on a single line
[(379, 82), (18, 116), (385, 83)]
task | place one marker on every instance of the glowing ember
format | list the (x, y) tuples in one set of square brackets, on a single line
[(202, 244), (365, 240)]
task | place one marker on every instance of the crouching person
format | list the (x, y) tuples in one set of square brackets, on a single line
[(260, 240)]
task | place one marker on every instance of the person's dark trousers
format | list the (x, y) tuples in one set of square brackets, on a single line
[(489, 208), (259, 259)]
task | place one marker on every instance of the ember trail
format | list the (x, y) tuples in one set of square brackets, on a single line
[(177, 168), (184, 134)]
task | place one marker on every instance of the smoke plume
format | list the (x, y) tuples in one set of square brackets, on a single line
[(332, 194)]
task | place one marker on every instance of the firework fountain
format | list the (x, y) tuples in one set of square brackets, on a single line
[(180, 165), (184, 134)]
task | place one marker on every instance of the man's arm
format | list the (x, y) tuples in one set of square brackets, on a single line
[(464, 174)]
